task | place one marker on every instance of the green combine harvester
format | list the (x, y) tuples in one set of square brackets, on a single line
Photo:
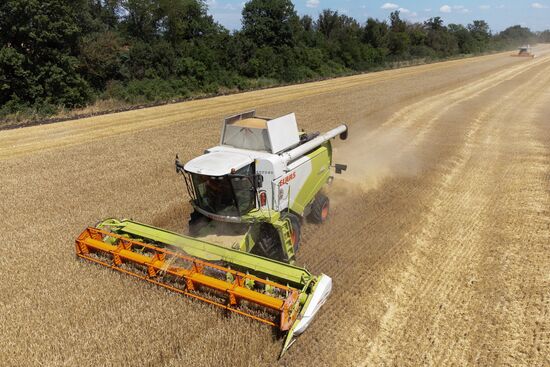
[(250, 195)]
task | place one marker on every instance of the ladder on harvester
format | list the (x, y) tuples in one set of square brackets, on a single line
[(284, 226)]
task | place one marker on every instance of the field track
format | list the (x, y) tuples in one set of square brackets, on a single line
[(438, 243)]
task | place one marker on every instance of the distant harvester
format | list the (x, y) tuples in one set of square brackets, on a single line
[(525, 51)]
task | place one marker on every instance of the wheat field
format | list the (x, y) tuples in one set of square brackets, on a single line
[(438, 241)]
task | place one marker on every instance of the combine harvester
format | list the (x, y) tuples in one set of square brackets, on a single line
[(260, 182), (525, 51)]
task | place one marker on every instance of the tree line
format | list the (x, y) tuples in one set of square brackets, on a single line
[(69, 53)]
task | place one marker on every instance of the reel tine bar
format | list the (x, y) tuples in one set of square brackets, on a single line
[(192, 275)]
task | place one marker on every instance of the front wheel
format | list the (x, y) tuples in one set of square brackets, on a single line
[(269, 243), (319, 209)]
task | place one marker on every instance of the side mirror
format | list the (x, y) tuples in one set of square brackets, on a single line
[(179, 166), (339, 168)]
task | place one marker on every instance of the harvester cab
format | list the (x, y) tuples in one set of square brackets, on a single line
[(249, 196)]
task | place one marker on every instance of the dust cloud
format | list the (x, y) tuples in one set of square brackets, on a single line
[(374, 156)]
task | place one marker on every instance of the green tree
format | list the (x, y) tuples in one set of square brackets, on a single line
[(439, 39), (376, 33), (480, 30), (142, 18), (270, 22), (39, 46), (516, 35), (434, 24), (14, 77), (101, 57), (307, 35), (151, 60), (398, 39), (398, 43), (183, 20), (102, 15), (64, 53), (465, 41), (327, 22), (396, 23), (481, 35)]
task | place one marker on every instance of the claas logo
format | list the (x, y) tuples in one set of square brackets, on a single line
[(287, 179)]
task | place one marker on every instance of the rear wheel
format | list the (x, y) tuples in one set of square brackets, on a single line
[(319, 209), (295, 230), (269, 243)]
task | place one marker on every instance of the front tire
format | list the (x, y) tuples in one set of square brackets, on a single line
[(269, 243)]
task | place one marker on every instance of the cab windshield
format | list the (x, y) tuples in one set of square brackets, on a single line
[(230, 195)]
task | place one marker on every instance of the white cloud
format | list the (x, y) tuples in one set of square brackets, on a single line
[(312, 3), (389, 6), (461, 9), (457, 8), (485, 7), (428, 10), (539, 6), (407, 13)]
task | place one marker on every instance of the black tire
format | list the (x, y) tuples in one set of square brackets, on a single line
[(296, 230), (319, 209), (269, 244), (196, 222)]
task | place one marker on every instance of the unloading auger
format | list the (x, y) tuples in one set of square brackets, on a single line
[(261, 181)]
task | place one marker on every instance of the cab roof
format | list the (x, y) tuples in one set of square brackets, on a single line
[(218, 163)]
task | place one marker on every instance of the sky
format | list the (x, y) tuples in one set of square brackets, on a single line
[(500, 14)]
